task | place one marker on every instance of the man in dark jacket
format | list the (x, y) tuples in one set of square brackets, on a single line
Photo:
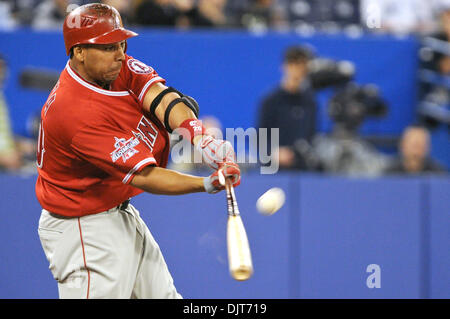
[(291, 107)]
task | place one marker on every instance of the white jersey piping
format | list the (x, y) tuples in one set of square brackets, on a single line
[(92, 87)]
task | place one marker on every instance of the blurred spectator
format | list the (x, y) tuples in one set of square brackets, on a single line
[(200, 13), (50, 14), (436, 56), (256, 15), (156, 13), (326, 15), (291, 107), (214, 11), (181, 13), (406, 16), (434, 107), (126, 8), (445, 19), (22, 10), (7, 20), (10, 159), (414, 149)]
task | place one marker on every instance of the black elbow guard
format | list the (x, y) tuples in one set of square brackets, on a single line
[(189, 101), (159, 98)]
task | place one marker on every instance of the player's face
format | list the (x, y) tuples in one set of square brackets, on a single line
[(102, 62)]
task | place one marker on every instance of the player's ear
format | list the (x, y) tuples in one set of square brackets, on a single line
[(78, 53)]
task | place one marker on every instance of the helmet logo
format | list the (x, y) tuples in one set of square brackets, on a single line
[(87, 21)]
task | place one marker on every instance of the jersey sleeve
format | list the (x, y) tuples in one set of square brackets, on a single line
[(138, 77), (118, 153)]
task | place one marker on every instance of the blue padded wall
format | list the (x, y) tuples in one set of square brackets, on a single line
[(317, 246)]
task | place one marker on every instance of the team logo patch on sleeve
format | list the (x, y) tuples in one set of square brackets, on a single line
[(124, 149), (138, 67)]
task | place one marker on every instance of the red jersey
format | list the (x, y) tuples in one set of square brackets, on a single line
[(92, 141)]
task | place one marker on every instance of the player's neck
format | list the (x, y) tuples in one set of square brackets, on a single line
[(78, 68)]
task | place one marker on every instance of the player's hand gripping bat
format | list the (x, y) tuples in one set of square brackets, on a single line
[(239, 255)]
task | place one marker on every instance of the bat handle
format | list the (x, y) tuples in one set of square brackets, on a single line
[(228, 184), (233, 208)]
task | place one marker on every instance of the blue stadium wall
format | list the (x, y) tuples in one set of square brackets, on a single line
[(229, 72), (319, 245)]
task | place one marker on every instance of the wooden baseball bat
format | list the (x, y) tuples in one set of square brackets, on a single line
[(239, 255)]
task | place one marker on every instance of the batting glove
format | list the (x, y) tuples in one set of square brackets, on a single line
[(215, 152), (216, 181)]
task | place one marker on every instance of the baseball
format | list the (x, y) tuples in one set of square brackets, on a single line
[(271, 201)]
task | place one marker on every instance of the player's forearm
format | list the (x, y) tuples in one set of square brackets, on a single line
[(157, 180)]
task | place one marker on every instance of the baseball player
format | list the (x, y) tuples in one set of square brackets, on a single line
[(104, 139)]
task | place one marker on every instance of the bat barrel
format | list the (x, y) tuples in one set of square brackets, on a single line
[(239, 255), (242, 273)]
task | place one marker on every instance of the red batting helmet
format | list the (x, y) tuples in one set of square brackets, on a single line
[(94, 23)]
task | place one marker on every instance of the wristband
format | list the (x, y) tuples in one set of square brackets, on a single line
[(191, 128)]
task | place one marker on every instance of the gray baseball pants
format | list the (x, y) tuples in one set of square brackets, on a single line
[(106, 255)]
